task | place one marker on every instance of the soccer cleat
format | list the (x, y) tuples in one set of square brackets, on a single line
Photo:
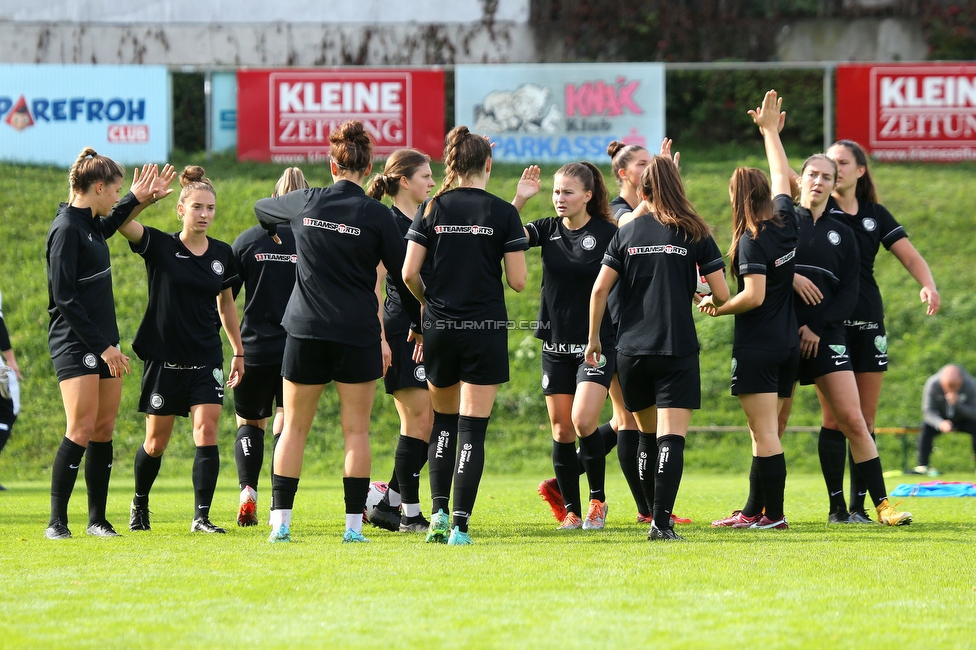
[(888, 516), (667, 534), (280, 534), (385, 519), (439, 527), (101, 529), (675, 520), (57, 530), (416, 524), (596, 516), (680, 520), (735, 520), (138, 517), (765, 523), (860, 517), (2, 489), (549, 490), (247, 514), (459, 538), (839, 517), (352, 537), (204, 525), (571, 522)]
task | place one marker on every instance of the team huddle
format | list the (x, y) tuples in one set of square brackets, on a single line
[(621, 278)]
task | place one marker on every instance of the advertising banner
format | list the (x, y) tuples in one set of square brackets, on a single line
[(49, 113), (910, 112), (223, 111), (561, 113), (285, 116)]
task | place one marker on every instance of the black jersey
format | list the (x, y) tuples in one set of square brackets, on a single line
[(4, 335), (341, 236), (826, 253), (618, 207), (79, 277), (873, 226), (771, 325), (571, 261), (466, 234), (181, 324), (267, 271), (658, 279), (395, 319)]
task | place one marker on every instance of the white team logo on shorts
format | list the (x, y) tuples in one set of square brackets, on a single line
[(218, 375), (90, 361), (217, 267), (419, 373), (588, 243), (833, 237), (545, 380), (869, 223), (735, 364), (881, 342), (156, 401)]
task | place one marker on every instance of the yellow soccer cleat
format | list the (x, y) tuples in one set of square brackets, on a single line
[(888, 516)]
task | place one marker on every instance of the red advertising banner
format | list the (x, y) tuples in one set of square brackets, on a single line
[(909, 112), (285, 116)]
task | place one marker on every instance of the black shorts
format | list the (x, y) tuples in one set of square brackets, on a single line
[(78, 361), (452, 355), (562, 372), (867, 344), (404, 372), (313, 361), (171, 389), (764, 371), (7, 417), (832, 356), (657, 380), (255, 396)]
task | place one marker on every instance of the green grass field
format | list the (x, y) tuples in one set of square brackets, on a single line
[(523, 584)]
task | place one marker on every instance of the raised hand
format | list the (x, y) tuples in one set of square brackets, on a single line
[(528, 185), (142, 182), (769, 116), (161, 183), (666, 151)]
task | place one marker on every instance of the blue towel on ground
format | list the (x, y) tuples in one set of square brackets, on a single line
[(935, 489)]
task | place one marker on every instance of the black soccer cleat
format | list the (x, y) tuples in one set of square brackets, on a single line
[(101, 529), (386, 519), (860, 517), (666, 534), (839, 517), (138, 517), (204, 525), (57, 530), (416, 524)]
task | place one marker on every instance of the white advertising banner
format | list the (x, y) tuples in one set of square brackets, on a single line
[(561, 112), (49, 113)]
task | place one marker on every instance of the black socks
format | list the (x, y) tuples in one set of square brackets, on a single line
[(249, 454), (772, 477), (354, 491), (98, 471), (646, 464), (206, 466), (667, 477), (873, 477), (754, 502), (470, 466), (283, 489), (594, 459), (627, 443), (441, 456), (832, 446), (64, 472), (410, 458), (567, 466), (146, 469), (858, 488)]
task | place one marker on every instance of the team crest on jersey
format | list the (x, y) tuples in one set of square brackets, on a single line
[(156, 401), (838, 349), (869, 224), (217, 267), (588, 243), (881, 342), (419, 373), (90, 361), (833, 237), (218, 375)]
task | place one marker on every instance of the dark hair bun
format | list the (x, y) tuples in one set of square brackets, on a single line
[(193, 174), (614, 148), (351, 132)]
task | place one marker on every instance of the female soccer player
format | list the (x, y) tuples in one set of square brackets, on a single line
[(190, 278), (465, 232), (267, 270), (827, 255), (406, 178), (765, 350), (83, 335), (573, 243), (854, 201), (341, 235), (655, 258), (9, 388)]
